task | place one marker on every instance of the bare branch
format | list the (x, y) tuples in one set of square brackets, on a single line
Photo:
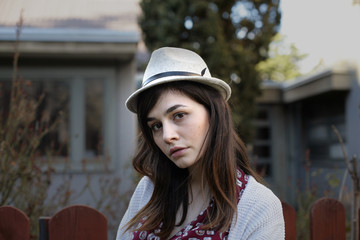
[(342, 147)]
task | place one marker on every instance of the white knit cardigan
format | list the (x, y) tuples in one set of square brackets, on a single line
[(259, 213)]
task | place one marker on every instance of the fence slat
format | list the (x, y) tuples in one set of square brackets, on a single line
[(14, 224), (78, 222), (290, 221), (327, 220)]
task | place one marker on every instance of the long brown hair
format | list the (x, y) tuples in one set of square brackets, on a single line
[(223, 153)]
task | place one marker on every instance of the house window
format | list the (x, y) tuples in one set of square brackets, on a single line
[(322, 142), (82, 136), (55, 98), (94, 93), (262, 143), (319, 115)]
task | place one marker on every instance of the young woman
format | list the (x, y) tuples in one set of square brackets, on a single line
[(198, 183)]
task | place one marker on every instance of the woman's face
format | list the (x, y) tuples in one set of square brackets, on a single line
[(179, 126)]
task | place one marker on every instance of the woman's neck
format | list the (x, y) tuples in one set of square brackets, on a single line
[(195, 176), (199, 198), (198, 187)]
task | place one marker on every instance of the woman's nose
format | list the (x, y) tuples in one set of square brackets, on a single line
[(169, 133)]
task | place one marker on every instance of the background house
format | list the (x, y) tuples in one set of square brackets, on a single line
[(82, 55), (295, 141)]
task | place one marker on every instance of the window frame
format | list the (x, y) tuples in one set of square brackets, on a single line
[(77, 77), (329, 140), (264, 123)]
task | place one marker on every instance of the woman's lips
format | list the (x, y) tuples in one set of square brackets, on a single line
[(176, 152)]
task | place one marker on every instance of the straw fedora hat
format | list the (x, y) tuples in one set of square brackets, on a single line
[(170, 64)]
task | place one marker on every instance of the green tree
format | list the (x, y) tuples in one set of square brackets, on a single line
[(283, 61), (232, 37)]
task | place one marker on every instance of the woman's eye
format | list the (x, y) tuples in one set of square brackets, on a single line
[(179, 115), (156, 126)]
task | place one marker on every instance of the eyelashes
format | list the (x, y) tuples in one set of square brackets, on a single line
[(178, 116), (156, 127)]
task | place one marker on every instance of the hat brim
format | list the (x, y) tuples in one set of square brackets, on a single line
[(218, 84)]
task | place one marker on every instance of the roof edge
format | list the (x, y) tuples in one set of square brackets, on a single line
[(304, 80), (69, 35), (336, 78)]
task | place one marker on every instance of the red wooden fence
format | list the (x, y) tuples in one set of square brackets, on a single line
[(290, 221), (78, 222), (75, 222), (327, 221), (14, 224)]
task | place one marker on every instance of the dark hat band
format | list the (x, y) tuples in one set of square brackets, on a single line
[(171, 73)]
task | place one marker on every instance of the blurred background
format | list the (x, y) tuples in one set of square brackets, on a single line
[(67, 67)]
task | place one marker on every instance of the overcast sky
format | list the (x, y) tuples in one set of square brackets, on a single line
[(324, 29)]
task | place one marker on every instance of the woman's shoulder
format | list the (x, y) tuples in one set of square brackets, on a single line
[(258, 194), (145, 181), (144, 187), (142, 194), (259, 213), (259, 189), (139, 199), (259, 201)]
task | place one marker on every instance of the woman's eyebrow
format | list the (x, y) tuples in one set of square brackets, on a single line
[(149, 119), (169, 110)]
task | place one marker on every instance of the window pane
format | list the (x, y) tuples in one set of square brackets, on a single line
[(336, 151), (322, 140), (262, 114), (341, 128), (53, 108), (55, 102), (319, 151), (94, 118), (318, 132), (264, 169), (262, 133), (5, 91), (262, 151)]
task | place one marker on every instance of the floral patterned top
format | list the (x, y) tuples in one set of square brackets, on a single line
[(193, 230)]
